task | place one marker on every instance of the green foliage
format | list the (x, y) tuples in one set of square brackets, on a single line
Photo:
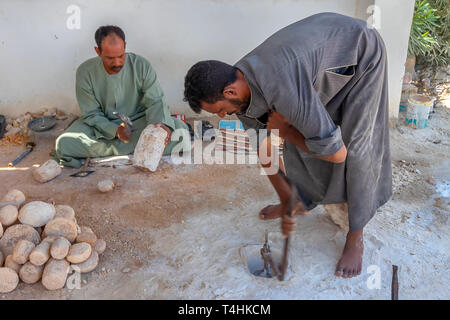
[(430, 32)]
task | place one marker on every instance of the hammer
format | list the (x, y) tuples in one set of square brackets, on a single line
[(125, 120)]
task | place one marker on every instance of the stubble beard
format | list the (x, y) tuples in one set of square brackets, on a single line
[(241, 105)]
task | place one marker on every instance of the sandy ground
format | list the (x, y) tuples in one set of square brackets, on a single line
[(185, 232)]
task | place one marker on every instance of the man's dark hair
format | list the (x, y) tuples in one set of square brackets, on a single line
[(103, 31), (205, 81)]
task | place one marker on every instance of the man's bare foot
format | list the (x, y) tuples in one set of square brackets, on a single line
[(275, 211), (350, 264)]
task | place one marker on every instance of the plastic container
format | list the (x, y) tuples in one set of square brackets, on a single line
[(419, 107), (407, 90)]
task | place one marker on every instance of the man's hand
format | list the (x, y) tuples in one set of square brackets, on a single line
[(169, 132), (123, 133), (287, 225)]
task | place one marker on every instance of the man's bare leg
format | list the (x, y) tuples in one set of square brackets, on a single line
[(350, 264)]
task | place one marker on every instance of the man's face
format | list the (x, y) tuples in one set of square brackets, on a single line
[(225, 107), (112, 53)]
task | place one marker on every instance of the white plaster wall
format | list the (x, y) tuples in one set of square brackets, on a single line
[(395, 25), (39, 54)]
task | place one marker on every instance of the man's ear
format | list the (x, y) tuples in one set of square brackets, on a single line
[(124, 45), (99, 53), (229, 92)]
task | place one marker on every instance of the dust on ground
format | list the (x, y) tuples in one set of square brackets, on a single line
[(180, 233)]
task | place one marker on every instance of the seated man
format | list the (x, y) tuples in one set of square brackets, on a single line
[(115, 81)]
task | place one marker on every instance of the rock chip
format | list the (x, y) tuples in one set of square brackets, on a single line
[(36, 213), (50, 112), (105, 185), (12, 132), (48, 171)]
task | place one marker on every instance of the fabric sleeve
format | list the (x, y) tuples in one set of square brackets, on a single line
[(292, 94), (92, 113), (157, 111)]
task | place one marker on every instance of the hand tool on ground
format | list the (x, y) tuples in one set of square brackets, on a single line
[(280, 271), (394, 290), (125, 120), (270, 268), (83, 172), (41, 124), (30, 145)]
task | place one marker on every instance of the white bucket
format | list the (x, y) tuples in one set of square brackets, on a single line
[(407, 90), (419, 107)]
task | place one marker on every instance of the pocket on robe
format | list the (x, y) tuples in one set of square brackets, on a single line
[(330, 81)]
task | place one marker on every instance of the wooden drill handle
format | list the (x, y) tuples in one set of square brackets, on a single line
[(289, 213), (86, 163)]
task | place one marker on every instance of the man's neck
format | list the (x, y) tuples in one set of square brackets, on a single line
[(242, 82)]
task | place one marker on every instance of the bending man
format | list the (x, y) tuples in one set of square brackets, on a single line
[(322, 82)]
